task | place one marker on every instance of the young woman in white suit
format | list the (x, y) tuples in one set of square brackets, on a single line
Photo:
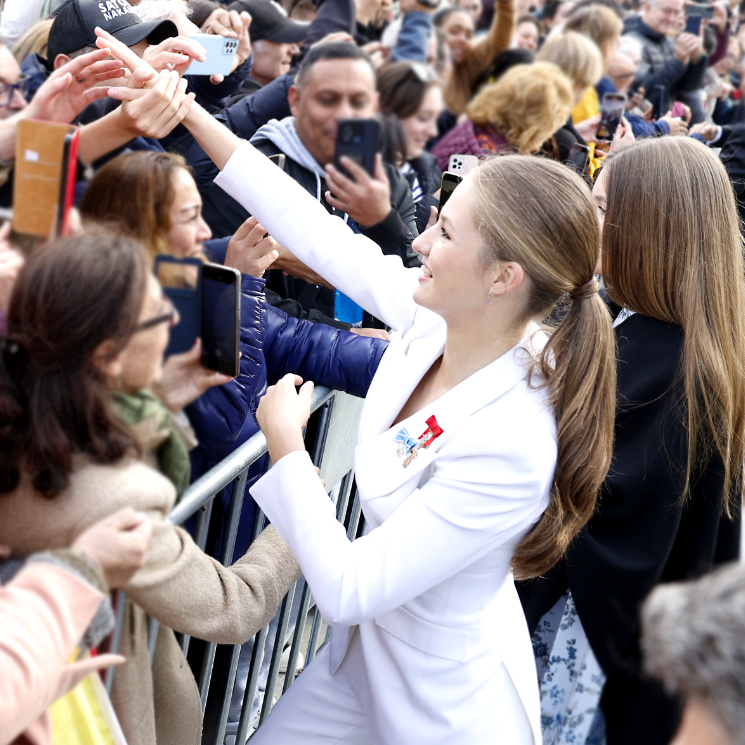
[(430, 644)]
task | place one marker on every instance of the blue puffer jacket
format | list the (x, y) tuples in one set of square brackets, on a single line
[(273, 344)]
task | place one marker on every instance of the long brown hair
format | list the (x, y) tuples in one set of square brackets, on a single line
[(135, 192), (545, 220), (402, 87), (672, 250), (71, 296)]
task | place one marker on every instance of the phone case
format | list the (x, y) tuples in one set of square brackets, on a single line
[(187, 300), (221, 318), (220, 55), (44, 176), (357, 139)]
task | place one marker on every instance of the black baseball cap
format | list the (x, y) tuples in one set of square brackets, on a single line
[(75, 23), (271, 22)]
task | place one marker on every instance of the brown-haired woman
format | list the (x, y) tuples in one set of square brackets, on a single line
[(669, 509), (517, 114), (412, 93), (85, 312), (162, 208)]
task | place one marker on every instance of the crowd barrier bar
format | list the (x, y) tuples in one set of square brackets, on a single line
[(329, 435)]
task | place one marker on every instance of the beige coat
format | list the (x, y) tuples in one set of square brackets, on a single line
[(179, 585)]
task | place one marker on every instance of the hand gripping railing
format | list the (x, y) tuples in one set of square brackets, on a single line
[(329, 438)]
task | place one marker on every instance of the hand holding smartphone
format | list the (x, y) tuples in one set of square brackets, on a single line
[(614, 105), (357, 139), (220, 51), (447, 187)]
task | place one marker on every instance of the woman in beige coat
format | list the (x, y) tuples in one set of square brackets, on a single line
[(85, 315)]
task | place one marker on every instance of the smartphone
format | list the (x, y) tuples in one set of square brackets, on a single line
[(658, 101), (693, 24), (579, 158), (181, 280), (614, 105), (220, 55), (448, 184), (357, 139), (279, 159), (700, 9), (462, 164), (221, 318)]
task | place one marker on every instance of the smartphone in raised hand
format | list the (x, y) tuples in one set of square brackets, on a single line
[(357, 139)]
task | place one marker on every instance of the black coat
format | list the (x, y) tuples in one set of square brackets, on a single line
[(641, 534)]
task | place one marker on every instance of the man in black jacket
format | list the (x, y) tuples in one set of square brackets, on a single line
[(335, 81), (675, 68)]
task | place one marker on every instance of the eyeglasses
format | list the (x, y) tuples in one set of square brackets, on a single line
[(169, 316), (8, 90)]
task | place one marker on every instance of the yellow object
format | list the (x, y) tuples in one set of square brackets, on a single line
[(588, 107), (84, 716)]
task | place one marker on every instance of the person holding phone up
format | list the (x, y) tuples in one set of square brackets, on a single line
[(677, 65)]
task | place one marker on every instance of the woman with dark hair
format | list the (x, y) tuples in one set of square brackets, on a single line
[(670, 508), (87, 316), (413, 94)]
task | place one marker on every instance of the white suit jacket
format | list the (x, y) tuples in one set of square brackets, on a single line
[(429, 585)]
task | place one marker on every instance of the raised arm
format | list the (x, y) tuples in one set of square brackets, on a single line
[(350, 262), (459, 89)]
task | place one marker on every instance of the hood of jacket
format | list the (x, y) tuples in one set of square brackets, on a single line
[(283, 134)]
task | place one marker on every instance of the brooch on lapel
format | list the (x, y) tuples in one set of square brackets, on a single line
[(410, 447)]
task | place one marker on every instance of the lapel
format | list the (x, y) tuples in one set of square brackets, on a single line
[(379, 469)]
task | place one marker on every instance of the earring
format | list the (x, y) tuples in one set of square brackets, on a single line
[(491, 292)]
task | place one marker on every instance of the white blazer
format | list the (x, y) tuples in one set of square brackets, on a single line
[(429, 585)]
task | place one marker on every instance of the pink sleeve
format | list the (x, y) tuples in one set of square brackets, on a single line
[(44, 612)]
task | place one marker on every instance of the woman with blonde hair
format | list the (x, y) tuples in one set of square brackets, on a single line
[(517, 114), (672, 260), (579, 58)]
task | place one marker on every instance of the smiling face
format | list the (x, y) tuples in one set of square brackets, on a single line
[(663, 16), (526, 36), (453, 282), (421, 126), (459, 29), (188, 230), (334, 89)]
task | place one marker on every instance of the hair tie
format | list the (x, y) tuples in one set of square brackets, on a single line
[(588, 289), (8, 346)]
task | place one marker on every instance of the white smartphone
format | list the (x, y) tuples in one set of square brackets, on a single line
[(462, 164), (220, 55)]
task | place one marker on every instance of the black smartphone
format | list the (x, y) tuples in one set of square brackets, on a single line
[(447, 187), (357, 139), (614, 105), (180, 280), (579, 158), (658, 101), (221, 318), (279, 159)]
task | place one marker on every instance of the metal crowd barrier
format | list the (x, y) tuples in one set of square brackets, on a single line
[(330, 439)]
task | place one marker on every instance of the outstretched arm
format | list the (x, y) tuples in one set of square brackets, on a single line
[(353, 263)]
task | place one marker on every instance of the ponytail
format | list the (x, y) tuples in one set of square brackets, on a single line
[(578, 365), (539, 214)]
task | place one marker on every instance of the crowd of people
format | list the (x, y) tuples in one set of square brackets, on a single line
[(566, 329)]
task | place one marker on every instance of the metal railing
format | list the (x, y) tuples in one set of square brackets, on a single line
[(330, 438)]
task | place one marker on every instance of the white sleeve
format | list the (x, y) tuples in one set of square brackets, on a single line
[(477, 501), (350, 262)]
